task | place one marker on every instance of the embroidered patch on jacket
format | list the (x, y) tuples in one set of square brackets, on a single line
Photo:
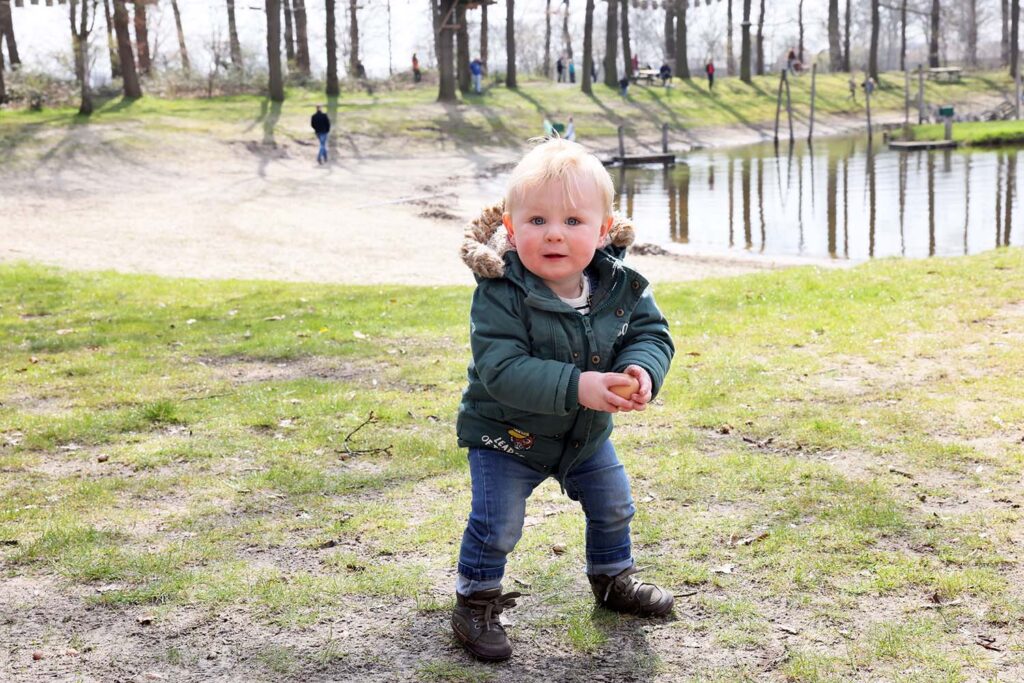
[(520, 439)]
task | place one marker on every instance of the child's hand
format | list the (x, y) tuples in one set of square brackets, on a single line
[(643, 395), (594, 392)]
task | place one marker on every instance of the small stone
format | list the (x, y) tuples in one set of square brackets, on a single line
[(37, 655), (558, 548), (102, 457)]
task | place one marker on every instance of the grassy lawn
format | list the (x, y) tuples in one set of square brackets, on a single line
[(833, 471), (499, 116), (975, 133)]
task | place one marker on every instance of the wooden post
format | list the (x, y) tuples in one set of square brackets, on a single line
[(867, 102), (789, 107), (664, 138), (814, 74), (949, 128), (920, 94), (778, 104), (622, 143), (906, 98)]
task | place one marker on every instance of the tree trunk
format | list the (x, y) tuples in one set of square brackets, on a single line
[(760, 41), (835, 50), (124, 51), (1004, 43), (462, 49), (7, 31), (873, 51), (80, 40), (332, 50), (627, 55), (730, 56), (972, 31), (846, 38), (800, 27), (547, 39), (510, 43), (611, 42), (670, 31), (301, 39), (483, 37), (142, 38), (3, 85), (745, 44), (903, 36), (289, 34), (588, 49), (1014, 37), (353, 38), (235, 46), (566, 39), (186, 66), (115, 63), (276, 80), (444, 12), (682, 63), (933, 43)]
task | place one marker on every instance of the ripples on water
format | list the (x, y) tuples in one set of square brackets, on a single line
[(836, 199)]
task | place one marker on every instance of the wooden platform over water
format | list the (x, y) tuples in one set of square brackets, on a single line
[(638, 159), (920, 145)]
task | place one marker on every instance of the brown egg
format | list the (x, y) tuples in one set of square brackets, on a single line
[(626, 390)]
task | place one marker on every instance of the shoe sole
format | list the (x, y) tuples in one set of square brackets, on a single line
[(479, 655)]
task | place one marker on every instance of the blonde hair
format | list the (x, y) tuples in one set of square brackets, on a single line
[(562, 161)]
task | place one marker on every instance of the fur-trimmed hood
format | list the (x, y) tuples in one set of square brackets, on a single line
[(486, 241)]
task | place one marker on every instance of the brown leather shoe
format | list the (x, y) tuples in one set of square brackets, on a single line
[(623, 593), (476, 623)]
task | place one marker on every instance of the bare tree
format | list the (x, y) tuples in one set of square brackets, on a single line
[(760, 41), (846, 38), (682, 63), (3, 85), (1014, 37), (301, 38), (933, 42), (142, 37), (483, 36), (730, 56), (903, 36), (547, 39), (7, 32), (332, 50), (800, 27), (443, 11), (588, 48), (972, 32), (566, 39), (835, 51), (124, 51), (1004, 43), (745, 44), (115, 64), (462, 49), (873, 52), (81, 27), (234, 46), (611, 42), (627, 55), (670, 30), (289, 34), (353, 39), (186, 66), (276, 80), (510, 44)]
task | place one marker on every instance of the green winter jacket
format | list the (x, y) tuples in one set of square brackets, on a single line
[(529, 348)]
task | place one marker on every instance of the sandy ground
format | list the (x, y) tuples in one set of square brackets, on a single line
[(115, 197)]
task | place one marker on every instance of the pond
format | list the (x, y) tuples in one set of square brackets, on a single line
[(836, 199)]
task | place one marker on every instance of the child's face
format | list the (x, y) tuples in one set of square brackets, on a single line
[(555, 240)]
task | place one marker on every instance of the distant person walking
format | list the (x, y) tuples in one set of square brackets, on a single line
[(321, 124), (572, 71), (852, 84), (709, 69), (624, 86), (476, 68), (570, 130), (665, 73), (560, 69), (417, 76)]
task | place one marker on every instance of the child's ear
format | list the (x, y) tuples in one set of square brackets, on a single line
[(605, 227), (506, 219)]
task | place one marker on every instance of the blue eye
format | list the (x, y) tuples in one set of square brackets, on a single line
[(572, 221), (537, 220)]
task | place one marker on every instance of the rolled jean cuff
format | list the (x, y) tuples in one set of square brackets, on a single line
[(614, 557), (466, 586), (610, 568), (481, 574)]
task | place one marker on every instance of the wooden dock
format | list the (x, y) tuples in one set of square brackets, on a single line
[(920, 145), (639, 159)]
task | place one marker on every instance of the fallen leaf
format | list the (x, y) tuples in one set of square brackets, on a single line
[(102, 457), (724, 569), (558, 548), (725, 428), (144, 620), (900, 472), (66, 330), (273, 318), (521, 583), (358, 335), (791, 630)]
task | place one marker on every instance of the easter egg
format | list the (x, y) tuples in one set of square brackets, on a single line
[(626, 390)]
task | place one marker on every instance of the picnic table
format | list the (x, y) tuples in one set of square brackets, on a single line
[(646, 75), (949, 74)]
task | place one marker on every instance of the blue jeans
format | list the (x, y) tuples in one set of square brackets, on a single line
[(477, 81), (501, 485), (322, 156)]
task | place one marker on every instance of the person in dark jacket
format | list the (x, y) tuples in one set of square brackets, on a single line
[(563, 335), (321, 124)]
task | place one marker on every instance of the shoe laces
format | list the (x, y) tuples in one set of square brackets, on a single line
[(624, 584), (494, 607)]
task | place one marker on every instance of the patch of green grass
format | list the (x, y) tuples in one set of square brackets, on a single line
[(975, 133), (453, 672)]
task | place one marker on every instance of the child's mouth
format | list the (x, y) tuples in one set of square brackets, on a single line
[(554, 256)]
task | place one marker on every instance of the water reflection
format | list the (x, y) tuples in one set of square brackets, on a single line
[(876, 203)]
